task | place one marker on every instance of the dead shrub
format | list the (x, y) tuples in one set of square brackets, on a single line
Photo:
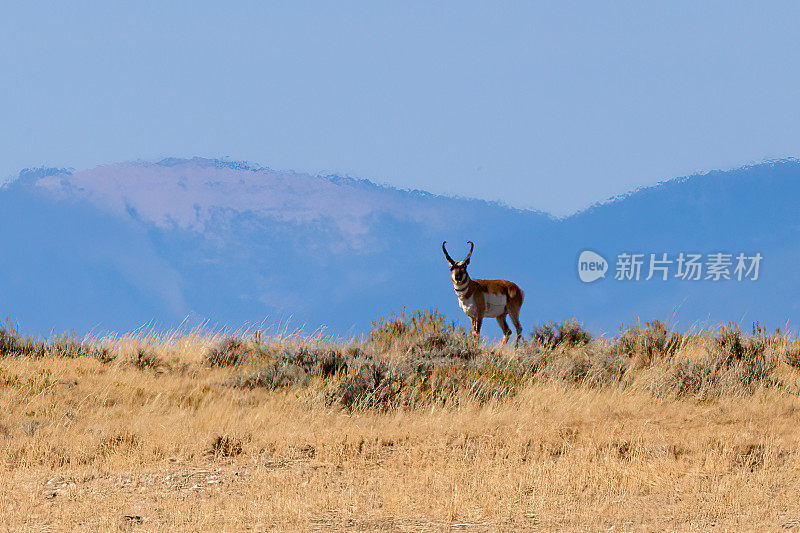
[(730, 345), (231, 351), (271, 376), (66, 346), (118, 442), (531, 356), (388, 332), (607, 368), (747, 360), (318, 361), (567, 334), (371, 384), (645, 346), (30, 427), (12, 343), (572, 368), (9, 344), (689, 378), (749, 456), (791, 354), (147, 359), (424, 334), (226, 446)]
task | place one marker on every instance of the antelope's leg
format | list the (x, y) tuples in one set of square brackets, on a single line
[(501, 321), (478, 322), (517, 326)]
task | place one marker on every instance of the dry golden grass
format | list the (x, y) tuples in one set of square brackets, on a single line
[(171, 444)]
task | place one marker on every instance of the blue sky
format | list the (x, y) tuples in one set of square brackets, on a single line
[(543, 105)]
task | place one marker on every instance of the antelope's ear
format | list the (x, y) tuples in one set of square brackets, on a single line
[(465, 262)]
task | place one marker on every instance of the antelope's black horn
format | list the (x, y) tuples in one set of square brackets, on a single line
[(471, 246), (449, 259)]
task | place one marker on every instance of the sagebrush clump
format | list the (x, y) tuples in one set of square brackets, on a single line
[(564, 335), (423, 335), (645, 346), (146, 358), (231, 351)]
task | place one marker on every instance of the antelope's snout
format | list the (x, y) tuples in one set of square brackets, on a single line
[(459, 273)]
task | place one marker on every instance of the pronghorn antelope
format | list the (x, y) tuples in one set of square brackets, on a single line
[(491, 298)]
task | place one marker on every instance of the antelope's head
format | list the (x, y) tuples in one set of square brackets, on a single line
[(458, 269)]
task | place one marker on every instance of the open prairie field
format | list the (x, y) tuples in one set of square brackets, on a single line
[(417, 427)]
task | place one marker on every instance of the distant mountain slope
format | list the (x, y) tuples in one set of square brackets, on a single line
[(749, 210), (116, 246)]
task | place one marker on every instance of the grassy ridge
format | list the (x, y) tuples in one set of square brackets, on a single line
[(421, 359)]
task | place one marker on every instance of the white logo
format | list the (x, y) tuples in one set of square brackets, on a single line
[(591, 266)]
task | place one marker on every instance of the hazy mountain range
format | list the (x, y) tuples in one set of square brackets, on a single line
[(117, 246)]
